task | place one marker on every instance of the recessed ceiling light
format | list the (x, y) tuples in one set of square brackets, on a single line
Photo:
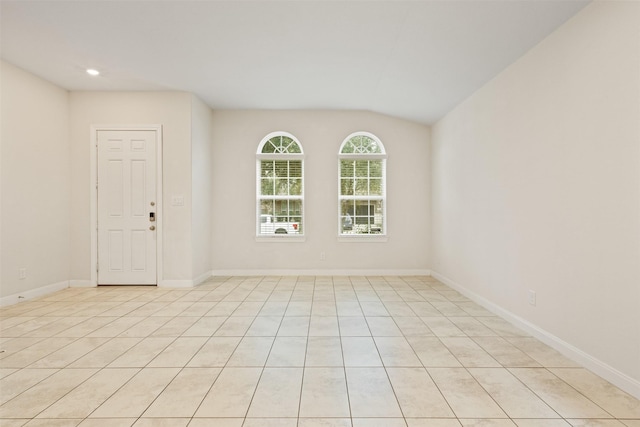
[(92, 72)]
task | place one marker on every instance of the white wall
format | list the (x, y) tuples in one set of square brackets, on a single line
[(201, 182), (536, 185), (35, 182), (172, 110), (235, 141)]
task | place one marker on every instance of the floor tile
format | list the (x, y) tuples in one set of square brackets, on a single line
[(216, 422), (142, 353), (324, 326), (563, 398), (106, 353), (270, 422), (252, 351), (39, 397), (20, 381), (277, 394), (324, 351), (272, 351), (178, 353), (396, 351), (432, 353), (182, 397), (370, 393), (417, 393), (383, 327), (468, 353), (604, 394), (324, 393), (107, 422), (541, 353), (512, 396), (541, 423), (379, 422), (324, 422), (296, 326), (231, 394), (353, 326), (205, 326), (264, 326), (413, 326), (506, 353), (235, 327), (215, 352), (135, 396), (288, 352), (465, 396), (84, 399), (360, 352), (432, 422)]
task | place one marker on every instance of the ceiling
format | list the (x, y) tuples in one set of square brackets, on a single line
[(410, 59)]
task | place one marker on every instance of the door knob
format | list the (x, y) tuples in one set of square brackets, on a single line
[(153, 227)]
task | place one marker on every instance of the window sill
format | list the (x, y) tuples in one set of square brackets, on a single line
[(363, 238), (281, 239)]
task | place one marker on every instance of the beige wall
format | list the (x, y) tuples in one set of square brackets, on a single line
[(35, 182), (236, 135), (172, 110), (536, 186), (201, 182)]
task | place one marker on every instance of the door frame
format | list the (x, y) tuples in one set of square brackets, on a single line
[(93, 188)]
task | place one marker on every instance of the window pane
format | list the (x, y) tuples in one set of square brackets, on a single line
[(266, 186), (375, 168), (347, 168), (375, 187), (282, 187), (362, 168), (295, 169), (362, 187), (266, 207), (281, 168), (266, 168), (295, 187), (347, 187)]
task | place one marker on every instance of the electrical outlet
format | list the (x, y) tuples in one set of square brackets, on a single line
[(532, 297), (323, 256), (22, 273)]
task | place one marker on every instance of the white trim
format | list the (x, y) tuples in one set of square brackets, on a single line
[(363, 238), (202, 278), (82, 284), (94, 194), (33, 293), (321, 272), (175, 284), (281, 238), (609, 373)]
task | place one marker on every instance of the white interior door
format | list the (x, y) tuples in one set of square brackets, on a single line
[(127, 207)]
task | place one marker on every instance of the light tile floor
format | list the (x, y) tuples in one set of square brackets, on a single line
[(286, 352)]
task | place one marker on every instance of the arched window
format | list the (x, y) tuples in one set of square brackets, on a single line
[(280, 186), (362, 181)]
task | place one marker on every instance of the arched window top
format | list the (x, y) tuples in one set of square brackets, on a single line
[(362, 143), (280, 143)]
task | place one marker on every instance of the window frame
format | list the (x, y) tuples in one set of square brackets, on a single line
[(260, 157), (382, 155)]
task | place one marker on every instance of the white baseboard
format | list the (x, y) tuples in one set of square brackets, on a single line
[(82, 284), (33, 293), (175, 283), (337, 272), (202, 278), (614, 376)]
